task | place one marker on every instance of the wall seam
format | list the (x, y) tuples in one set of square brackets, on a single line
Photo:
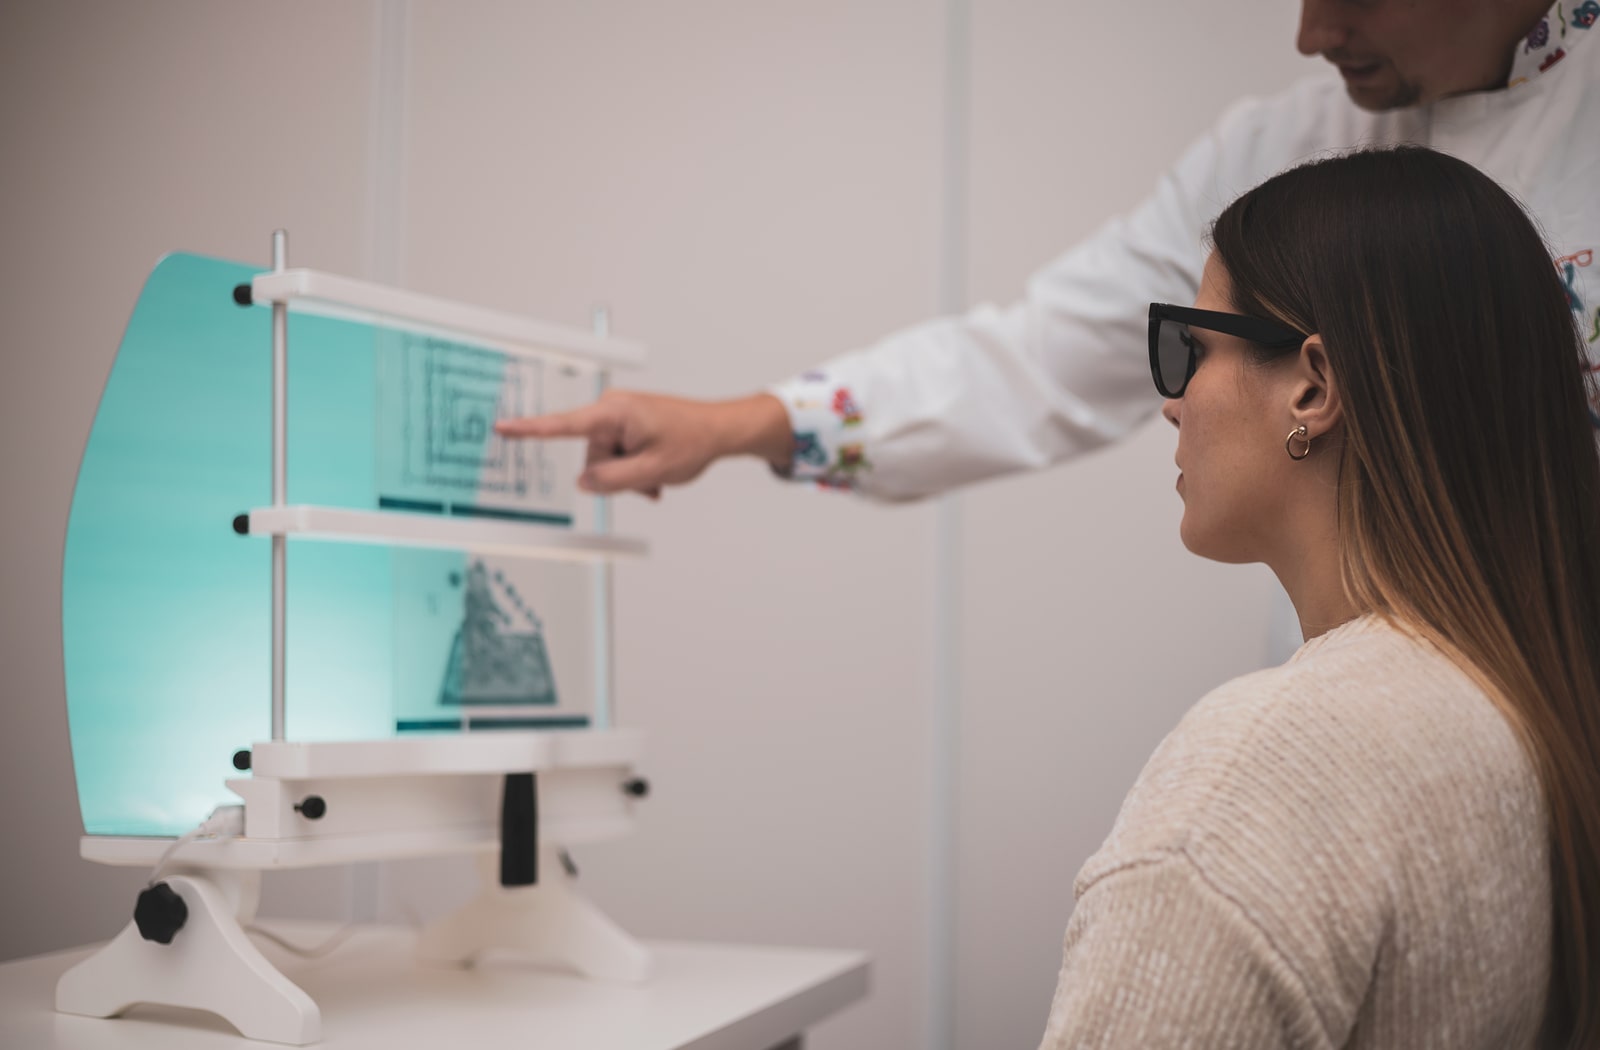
[(945, 758), (385, 257)]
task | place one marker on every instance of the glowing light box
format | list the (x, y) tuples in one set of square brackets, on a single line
[(166, 606)]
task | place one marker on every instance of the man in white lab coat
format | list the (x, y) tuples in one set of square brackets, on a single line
[(1511, 86)]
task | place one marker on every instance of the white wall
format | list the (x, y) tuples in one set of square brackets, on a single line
[(1087, 628), (750, 187), (745, 184)]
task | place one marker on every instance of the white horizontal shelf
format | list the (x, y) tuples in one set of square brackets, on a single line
[(265, 854), (329, 294), (452, 754), (402, 529)]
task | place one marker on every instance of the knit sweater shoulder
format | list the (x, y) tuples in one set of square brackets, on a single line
[(1349, 850)]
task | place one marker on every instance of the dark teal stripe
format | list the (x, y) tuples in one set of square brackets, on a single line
[(422, 725), (467, 510), (417, 505)]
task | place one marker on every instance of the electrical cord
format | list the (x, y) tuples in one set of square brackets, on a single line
[(160, 912), (338, 937), (225, 822)]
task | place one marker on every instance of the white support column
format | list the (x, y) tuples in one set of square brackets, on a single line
[(210, 965), (551, 924)]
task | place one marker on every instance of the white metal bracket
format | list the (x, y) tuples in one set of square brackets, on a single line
[(551, 924), (210, 965)]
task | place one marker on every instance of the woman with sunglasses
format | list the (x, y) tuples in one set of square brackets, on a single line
[(1393, 840)]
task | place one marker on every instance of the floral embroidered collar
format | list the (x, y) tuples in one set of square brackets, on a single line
[(1563, 25)]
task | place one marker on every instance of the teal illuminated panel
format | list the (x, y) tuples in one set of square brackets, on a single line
[(166, 610)]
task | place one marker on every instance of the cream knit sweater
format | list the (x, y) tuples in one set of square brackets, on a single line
[(1345, 851)]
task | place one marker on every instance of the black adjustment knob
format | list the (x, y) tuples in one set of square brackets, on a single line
[(160, 913), (243, 295), (241, 524), (312, 807), (241, 759), (637, 787)]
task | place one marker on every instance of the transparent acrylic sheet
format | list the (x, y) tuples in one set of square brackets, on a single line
[(166, 611)]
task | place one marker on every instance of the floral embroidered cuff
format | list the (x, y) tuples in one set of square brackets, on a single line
[(828, 445)]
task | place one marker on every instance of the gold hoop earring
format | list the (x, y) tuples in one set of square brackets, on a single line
[(1288, 443)]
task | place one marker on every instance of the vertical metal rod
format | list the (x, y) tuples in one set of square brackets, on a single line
[(604, 702), (280, 474)]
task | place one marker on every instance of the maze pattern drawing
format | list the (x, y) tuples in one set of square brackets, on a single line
[(449, 397)]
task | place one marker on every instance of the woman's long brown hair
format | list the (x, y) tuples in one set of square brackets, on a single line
[(1469, 484)]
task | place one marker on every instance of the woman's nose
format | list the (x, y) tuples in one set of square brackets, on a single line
[(1171, 409)]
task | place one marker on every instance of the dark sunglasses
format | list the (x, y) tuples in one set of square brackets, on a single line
[(1172, 347)]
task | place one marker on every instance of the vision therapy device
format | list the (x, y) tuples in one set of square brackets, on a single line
[(435, 600)]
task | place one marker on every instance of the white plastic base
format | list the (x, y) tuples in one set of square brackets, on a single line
[(551, 924), (210, 965), (382, 799)]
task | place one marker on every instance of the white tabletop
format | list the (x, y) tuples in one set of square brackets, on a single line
[(373, 995)]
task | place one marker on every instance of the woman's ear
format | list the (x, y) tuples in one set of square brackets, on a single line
[(1315, 391)]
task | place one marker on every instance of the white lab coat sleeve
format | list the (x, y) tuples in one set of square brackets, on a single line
[(1062, 371)]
